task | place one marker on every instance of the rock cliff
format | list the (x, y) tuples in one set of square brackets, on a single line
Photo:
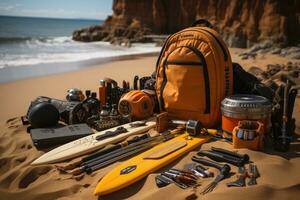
[(241, 22)]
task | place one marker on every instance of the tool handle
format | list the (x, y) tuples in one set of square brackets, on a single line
[(207, 162), (291, 102), (286, 96), (253, 170), (138, 138), (285, 139), (104, 162), (108, 134), (124, 147), (213, 132), (135, 82), (221, 157), (102, 152), (244, 157)]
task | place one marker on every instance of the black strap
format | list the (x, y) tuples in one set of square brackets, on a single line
[(202, 22)]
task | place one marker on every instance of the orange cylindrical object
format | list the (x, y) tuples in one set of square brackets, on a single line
[(102, 96), (140, 104)]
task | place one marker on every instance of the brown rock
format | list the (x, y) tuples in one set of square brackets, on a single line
[(85, 37), (242, 23)]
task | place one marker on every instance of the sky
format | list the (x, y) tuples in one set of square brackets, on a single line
[(87, 9)]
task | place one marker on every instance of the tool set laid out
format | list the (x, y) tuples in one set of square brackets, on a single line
[(236, 159), (195, 94), (192, 173)]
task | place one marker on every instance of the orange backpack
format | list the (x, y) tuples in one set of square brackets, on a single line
[(194, 74)]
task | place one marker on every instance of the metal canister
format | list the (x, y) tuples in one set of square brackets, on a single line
[(74, 94), (245, 107)]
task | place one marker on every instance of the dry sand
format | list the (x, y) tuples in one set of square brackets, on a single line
[(280, 177)]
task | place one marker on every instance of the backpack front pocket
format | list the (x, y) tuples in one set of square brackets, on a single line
[(185, 84)]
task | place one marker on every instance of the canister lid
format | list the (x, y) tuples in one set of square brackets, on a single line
[(246, 106)]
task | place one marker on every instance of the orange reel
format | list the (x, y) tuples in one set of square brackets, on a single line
[(137, 103)]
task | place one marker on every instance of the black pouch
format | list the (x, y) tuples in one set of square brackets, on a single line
[(246, 83), (47, 137)]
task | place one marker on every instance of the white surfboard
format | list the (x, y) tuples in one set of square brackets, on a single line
[(89, 143)]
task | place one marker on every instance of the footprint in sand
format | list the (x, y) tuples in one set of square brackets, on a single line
[(5, 164), (8, 169), (14, 122), (32, 174), (7, 180)]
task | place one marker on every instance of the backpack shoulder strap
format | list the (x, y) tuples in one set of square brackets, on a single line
[(161, 52)]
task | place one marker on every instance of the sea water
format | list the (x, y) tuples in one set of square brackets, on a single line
[(28, 46)]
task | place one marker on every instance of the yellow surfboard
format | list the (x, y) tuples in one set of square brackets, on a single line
[(143, 164)]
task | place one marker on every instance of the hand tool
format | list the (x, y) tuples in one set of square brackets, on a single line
[(283, 141), (240, 182), (244, 157), (253, 174), (135, 82), (115, 147), (120, 151), (162, 181), (204, 170), (198, 170), (219, 157), (176, 182), (102, 163), (181, 179), (108, 94), (224, 172), (182, 172), (96, 164), (193, 127)]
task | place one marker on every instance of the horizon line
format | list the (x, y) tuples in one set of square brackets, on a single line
[(43, 17)]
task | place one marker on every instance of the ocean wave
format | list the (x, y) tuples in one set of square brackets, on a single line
[(74, 53), (14, 39), (9, 40)]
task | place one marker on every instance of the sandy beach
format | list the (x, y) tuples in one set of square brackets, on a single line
[(16, 96), (280, 177)]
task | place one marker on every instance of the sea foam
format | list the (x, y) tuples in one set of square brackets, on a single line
[(16, 52)]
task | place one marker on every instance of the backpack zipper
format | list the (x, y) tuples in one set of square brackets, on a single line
[(180, 62)]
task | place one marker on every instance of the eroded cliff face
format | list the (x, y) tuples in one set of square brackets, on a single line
[(241, 22)]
